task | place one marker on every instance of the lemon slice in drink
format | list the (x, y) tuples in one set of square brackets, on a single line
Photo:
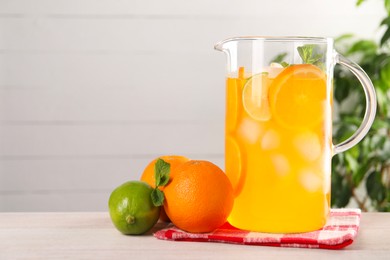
[(255, 97)]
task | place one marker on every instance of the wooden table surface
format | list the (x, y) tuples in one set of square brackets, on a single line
[(82, 235)]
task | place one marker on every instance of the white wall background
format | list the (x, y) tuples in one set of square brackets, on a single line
[(92, 90)]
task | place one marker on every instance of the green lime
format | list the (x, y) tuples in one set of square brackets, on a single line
[(131, 208)]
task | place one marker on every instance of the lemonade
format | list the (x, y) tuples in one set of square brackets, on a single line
[(278, 148)]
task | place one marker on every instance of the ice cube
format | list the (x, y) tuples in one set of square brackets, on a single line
[(281, 164), (310, 180), (249, 130), (308, 145), (270, 140)]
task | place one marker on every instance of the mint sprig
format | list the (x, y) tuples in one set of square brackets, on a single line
[(162, 171), (280, 59), (311, 54), (284, 64), (157, 197)]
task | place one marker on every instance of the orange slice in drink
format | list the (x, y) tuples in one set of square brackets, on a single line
[(232, 92), (233, 164), (255, 97), (297, 96)]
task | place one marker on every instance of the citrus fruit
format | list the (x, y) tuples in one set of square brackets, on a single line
[(173, 160), (233, 165), (255, 97), (297, 96), (148, 174), (199, 197), (234, 88), (131, 209)]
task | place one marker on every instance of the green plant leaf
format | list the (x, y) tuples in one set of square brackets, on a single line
[(385, 36), (359, 2), (157, 197), (351, 161), (381, 124), (387, 6), (338, 159), (379, 61), (344, 37), (345, 196), (364, 164), (385, 74), (343, 42), (344, 132), (375, 189), (377, 141), (363, 169), (341, 90), (383, 154), (367, 47), (383, 102), (341, 191), (161, 172), (385, 21)]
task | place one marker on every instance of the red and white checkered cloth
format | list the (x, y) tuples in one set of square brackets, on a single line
[(339, 231)]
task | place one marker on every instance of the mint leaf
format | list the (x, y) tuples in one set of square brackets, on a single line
[(161, 175), (164, 179), (311, 54), (284, 64), (157, 197), (306, 52), (280, 59), (161, 172)]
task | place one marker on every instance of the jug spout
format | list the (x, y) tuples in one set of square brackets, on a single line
[(223, 45), (219, 46)]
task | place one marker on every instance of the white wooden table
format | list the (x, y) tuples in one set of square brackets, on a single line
[(92, 236)]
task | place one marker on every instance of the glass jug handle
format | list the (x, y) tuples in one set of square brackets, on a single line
[(369, 115)]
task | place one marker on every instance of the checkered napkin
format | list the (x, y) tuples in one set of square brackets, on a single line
[(339, 231)]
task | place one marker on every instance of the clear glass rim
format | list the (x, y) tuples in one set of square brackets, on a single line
[(313, 40)]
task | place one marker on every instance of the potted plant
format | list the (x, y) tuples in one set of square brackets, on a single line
[(362, 174)]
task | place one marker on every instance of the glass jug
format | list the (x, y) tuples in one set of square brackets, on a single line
[(278, 130)]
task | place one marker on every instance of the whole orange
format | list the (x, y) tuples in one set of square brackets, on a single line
[(199, 198), (148, 174)]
